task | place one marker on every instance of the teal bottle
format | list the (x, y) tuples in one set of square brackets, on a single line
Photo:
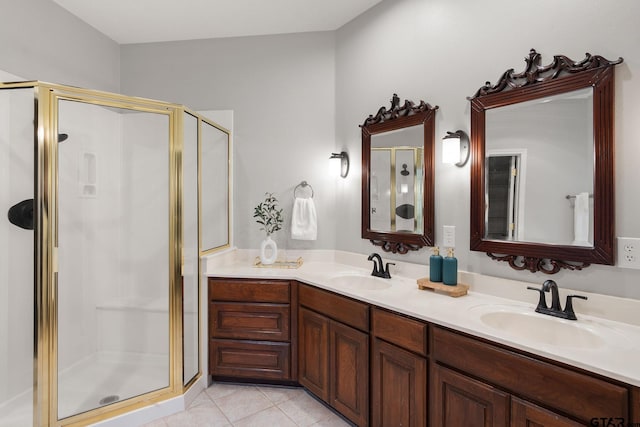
[(435, 266), (450, 269)]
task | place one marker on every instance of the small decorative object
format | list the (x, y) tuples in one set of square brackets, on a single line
[(435, 266), (270, 217)]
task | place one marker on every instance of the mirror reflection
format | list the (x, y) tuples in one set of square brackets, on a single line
[(539, 170), (396, 181)]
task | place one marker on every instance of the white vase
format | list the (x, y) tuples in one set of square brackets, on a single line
[(268, 251)]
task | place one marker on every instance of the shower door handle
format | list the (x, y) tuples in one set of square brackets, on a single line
[(21, 214)]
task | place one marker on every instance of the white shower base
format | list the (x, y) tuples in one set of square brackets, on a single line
[(82, 386)]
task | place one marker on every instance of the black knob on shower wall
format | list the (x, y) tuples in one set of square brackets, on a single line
[(21, 214)]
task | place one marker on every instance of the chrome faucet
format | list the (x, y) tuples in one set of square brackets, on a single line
[(555, 309), (378, 269)]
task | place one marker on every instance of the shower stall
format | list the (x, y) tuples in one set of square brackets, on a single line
[(99, 253)]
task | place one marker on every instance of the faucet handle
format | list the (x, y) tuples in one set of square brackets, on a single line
[(568, 307), (386, 270), (542, 302)]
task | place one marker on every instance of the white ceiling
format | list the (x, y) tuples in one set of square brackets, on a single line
[(142, 21)]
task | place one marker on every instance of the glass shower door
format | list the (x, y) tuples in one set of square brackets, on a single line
[(16, 257), (113, 237)]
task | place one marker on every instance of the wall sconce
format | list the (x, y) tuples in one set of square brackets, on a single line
[(455, 148), (344, 162)]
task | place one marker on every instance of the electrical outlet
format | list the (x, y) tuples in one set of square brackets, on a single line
[(449, 236), (628, 252)]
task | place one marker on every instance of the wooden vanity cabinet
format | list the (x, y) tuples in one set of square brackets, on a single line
[(377, 367), (476, 383), (250, 329), (398, 370), (333, 351)]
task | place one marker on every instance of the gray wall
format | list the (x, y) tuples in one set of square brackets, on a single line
[(39, 40), (281, 90), (442, 51)]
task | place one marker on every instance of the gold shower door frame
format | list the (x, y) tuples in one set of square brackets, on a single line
[(46, 97)]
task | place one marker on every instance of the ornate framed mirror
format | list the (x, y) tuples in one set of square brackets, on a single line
[(542, 175), (398, 176)]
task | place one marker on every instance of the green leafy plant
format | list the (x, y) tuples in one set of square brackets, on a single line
[(268, 214)]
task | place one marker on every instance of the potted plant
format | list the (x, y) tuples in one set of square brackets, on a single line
[(270, 218)]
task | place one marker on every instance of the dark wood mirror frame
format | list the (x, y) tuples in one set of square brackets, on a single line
[(536, 81), (399, 117)]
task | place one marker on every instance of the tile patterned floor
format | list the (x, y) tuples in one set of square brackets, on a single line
[(235, 405)]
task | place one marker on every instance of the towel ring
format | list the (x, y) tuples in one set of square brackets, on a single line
[(303, 184)]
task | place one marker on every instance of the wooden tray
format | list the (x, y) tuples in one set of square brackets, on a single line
[(278, 264), (453, 291)]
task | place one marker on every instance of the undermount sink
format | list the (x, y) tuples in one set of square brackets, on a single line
[(360, 282), (540, 328)]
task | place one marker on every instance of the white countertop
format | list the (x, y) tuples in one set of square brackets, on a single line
[(613, 321)]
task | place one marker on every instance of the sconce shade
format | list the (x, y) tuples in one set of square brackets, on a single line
[(451, 150), (344, 162), (455, 148)]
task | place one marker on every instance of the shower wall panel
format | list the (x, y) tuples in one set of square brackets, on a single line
[(16, 244), (16, 250), (145, 207)]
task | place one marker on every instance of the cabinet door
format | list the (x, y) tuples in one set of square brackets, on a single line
[(399, 387), (526, 414), (459, 401), (349, 372), (313, 344)]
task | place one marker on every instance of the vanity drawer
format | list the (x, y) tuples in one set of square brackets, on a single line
[(407, 333), (249, 359), (249, 290), (571, 392), (342, 309), (252, 321)]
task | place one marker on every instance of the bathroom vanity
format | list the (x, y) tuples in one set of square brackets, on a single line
[(378, 361)]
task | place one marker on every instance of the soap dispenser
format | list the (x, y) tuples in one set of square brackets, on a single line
[(435, 266), (450, 269)]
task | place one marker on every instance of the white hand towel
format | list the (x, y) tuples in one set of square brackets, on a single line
[(581, 220), (304, 221)]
